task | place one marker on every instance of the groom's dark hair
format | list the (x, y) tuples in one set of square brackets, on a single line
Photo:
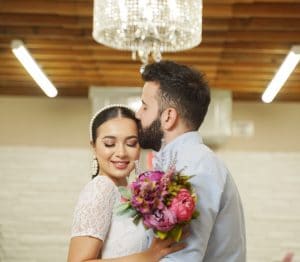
[(182, 88)]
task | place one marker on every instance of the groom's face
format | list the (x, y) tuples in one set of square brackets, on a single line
[(150, 131)]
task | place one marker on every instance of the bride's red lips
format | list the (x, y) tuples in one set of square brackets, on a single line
[(120, 164)]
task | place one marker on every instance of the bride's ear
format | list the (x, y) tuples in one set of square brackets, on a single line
[(169, 118)]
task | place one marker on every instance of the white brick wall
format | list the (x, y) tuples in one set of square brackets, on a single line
[(38, 191), (269, 184), (39, 188)]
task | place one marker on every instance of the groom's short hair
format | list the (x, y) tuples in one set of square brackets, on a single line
[(182, 88)]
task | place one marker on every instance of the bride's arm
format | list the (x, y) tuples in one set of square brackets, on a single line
[(86, 249)]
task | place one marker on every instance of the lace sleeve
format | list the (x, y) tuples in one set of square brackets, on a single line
[(93, 212)]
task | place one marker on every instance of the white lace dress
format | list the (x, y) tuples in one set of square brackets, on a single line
[(94, 217)]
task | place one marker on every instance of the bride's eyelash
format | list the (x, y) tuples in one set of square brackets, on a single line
[(132, 144), (129, 143), (109, 145)]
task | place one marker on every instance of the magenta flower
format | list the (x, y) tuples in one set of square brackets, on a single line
[(163, 220), (183, 205), (146, 192), (162, 200), (152, 175), (166, 181)]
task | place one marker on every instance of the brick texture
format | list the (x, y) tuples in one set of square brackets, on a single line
[(269, 185), (39, 188), (38, 191)]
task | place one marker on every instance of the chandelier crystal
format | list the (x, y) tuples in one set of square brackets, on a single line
[(148, 27)]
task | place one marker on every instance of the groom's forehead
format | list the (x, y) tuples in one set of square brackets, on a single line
[(150, 91)]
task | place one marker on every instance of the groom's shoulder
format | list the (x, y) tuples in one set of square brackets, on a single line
[(200, 155), (198, 151)]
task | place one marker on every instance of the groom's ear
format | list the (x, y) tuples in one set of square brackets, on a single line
[(169, 118)]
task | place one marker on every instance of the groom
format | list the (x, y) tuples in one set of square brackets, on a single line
[(175, 100)]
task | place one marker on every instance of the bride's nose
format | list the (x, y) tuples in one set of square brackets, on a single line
[(120, 150)]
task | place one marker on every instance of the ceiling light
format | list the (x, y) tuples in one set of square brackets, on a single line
[(286, 68), (148, 27), (25, 58)]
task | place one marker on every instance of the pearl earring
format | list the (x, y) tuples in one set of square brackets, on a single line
[(95, 167)]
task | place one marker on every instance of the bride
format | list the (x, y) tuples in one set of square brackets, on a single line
[(97, 233)]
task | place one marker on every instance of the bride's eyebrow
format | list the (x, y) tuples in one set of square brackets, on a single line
[(113, 137), (131, 137), (108, 137)]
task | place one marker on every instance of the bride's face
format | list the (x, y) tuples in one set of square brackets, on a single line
[(117, 148)]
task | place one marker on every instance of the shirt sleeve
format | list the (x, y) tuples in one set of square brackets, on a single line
[(93, 212)]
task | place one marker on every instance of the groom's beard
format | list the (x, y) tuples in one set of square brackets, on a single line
[(151, 137)]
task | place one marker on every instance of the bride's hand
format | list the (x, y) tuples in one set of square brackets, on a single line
[(160, 248)]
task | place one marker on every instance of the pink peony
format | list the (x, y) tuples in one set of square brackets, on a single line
[(183, 205), (163, 220)]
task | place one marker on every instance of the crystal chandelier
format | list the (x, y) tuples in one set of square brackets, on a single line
[(148, 27)]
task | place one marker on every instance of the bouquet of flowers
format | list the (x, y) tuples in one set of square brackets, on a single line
[(164, 201)]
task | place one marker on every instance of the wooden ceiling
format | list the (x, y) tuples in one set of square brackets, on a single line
[(243, 44)]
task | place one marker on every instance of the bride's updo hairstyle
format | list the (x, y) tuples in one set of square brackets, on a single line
[(107, 113)]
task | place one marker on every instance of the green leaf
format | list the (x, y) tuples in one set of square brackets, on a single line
[(161, 235), (122, 208), (196, 213), (125, 192), (176, 233), (132, 212), (136, 219), (191, 176)]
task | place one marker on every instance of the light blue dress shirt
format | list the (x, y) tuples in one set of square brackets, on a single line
[(218, 234)]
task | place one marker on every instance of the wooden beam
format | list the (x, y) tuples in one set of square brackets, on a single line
[(35, 91), (264, 24), (287, 10), (47, 7), (246, 36), (89, 44), (85, 8), (281, 97), (46, 21)]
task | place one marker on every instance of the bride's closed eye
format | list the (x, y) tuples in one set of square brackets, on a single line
[(108, 142), (132, 143), (109, 145)]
